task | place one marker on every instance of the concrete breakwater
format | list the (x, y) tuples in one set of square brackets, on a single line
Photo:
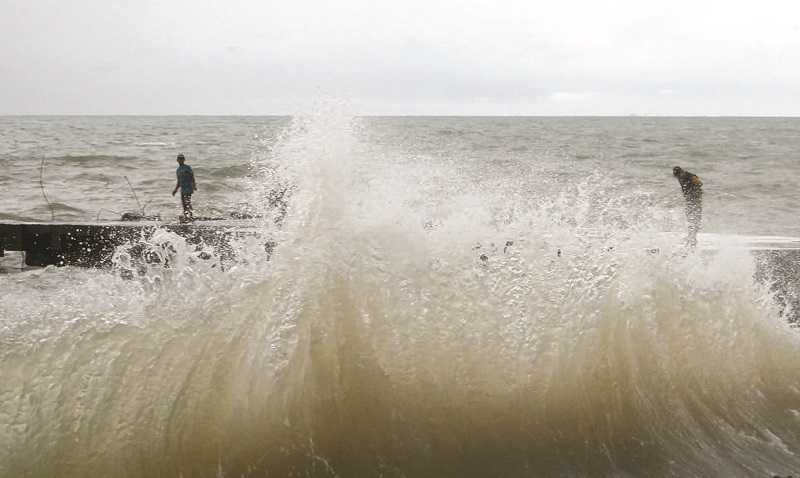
[(93, 244), (777, 259)]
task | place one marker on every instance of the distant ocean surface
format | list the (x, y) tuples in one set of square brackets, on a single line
[(750, 166), (448, 296)]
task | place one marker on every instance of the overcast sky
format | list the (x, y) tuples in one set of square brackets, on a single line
[(401, 57)]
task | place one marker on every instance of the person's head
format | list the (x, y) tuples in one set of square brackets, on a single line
[(676, 171), (181, 158)]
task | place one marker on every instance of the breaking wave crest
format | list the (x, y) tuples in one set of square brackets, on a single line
[(415, 319)]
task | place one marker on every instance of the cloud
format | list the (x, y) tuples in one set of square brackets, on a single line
[(468, 56)]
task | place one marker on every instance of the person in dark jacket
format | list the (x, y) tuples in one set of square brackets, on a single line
[(187, 186), (692, 188)]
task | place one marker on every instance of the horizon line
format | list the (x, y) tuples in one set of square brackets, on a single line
[(284, 115)]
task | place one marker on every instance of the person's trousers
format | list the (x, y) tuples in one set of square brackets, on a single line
[(186, 202)]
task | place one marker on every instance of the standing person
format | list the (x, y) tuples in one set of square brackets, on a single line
[(187, 186), (692, 188)]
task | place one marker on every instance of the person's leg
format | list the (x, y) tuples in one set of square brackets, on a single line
[(694, 216), (186, 201)]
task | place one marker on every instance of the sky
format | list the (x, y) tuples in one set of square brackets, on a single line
[(405, 57)]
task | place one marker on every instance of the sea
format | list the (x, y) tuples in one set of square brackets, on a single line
[(446, 297)]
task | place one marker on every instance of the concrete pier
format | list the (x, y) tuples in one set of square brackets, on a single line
[(777, 258), (93, 244)]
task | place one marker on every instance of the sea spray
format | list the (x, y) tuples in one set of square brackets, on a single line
[(411, 321)]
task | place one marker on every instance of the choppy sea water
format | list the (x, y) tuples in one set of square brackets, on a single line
[(376, 341)]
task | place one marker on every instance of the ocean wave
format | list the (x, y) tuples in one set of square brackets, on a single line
[(61, 207), (97, 177), (376, 342), (15, 217), (403, 367), (60, 210), (152, 143), (234, 171), (92, 160)]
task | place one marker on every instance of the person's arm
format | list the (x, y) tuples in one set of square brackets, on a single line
[(177, 185), (194, 184)]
